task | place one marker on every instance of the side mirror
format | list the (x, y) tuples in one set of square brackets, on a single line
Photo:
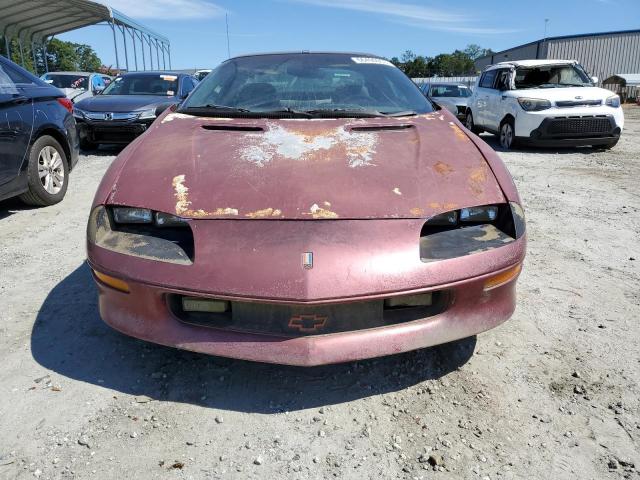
[(594, 79)]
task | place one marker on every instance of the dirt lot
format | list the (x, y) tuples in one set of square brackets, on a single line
[(551, 394)]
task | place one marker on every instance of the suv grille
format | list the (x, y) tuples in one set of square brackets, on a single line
[(579, 125), (579, 103)]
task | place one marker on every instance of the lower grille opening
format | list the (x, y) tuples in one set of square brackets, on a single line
[(296, 320)]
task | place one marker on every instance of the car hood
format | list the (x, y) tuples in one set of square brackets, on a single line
[(457, 101), (122, 103), (564, 94), (411, 167)]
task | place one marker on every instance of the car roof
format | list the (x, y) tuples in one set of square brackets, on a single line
[(307, 52), (157, 72), (529, 63), (446, 84), (73, 73)]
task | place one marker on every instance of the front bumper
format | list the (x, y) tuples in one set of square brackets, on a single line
[(116, 132), (144, 313), (574, 131)]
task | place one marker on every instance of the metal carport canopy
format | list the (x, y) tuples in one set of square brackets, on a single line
[(33, 21)]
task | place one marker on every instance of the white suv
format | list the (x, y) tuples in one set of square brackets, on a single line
[(544, 102)]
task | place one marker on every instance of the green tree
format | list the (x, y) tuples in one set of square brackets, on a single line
[(68, 56)]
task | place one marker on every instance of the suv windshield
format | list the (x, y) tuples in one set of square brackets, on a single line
[(67, 80), (450, 91), (307, 84), (551, 76), (143, 84)]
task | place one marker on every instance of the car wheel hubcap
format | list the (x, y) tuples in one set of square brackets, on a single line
[(506, 135), (51, 170)]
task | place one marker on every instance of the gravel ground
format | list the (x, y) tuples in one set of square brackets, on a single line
[(553, 393)]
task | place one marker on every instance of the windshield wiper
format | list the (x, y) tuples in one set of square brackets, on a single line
[(288, 110), (225, 108), (402, 113), (573, 84), (345, 112)]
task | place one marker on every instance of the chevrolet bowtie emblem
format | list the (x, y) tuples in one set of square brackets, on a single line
[(307, 260), (307, 323)]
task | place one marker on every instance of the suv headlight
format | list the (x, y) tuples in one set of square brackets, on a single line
[(613, 101), (147, 114), (533, 104), (77, 113)]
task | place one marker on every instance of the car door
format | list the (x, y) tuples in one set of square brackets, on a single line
[(496, 105), (16, 121), (481, 98)]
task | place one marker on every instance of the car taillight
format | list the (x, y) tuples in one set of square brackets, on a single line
[(66, 103)]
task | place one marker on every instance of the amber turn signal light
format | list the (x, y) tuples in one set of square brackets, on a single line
[(502, 277), (112, 282)]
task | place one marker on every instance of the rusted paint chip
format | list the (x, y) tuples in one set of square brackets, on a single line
[(182, 204), (265, 213)]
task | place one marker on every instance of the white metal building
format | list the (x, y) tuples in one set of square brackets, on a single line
[(602, 54)]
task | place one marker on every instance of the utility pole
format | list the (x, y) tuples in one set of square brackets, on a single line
[(226, 18), (546, 22)]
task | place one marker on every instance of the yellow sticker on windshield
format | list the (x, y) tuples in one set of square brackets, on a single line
[(169, 78), (372, 60)]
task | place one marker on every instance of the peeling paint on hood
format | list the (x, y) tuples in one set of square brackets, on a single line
[(411, 167), (280, 140)]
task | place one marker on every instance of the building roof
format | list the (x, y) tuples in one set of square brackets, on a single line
[(37, 19), (561, 37)]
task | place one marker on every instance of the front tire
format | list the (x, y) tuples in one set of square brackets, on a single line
[(47, 173), (507, 134), (470, 124)]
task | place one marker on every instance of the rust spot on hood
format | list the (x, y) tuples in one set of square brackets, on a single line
[(444, 207), (460, 135), (443, 168), (264, 213), (318, 212), (417, 211), (478, 179), (182, 203)]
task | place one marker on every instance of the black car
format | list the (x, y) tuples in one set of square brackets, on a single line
[(127, 107), (38, 138)]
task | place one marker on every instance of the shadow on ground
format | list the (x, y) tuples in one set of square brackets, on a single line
[(12, 205), (70, 339), (494, 142)]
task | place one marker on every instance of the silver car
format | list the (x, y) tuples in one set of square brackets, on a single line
[(78, 85), (451, 96)]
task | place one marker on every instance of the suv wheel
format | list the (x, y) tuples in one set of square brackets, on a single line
[(47, 173), (470, 124), (507, 135)]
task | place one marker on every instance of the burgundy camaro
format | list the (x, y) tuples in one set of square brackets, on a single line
[(304, 209)]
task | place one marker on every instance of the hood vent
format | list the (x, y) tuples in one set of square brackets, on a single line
[(233, 128), (382, 128)]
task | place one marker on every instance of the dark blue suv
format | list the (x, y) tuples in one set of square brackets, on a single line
[(38, 138)]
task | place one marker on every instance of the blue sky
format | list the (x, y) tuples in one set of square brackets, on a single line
[(196, 28)]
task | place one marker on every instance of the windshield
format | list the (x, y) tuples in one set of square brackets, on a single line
[(551, 76), (308, 83), (450, 91), (143, 84), (67, 80)]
